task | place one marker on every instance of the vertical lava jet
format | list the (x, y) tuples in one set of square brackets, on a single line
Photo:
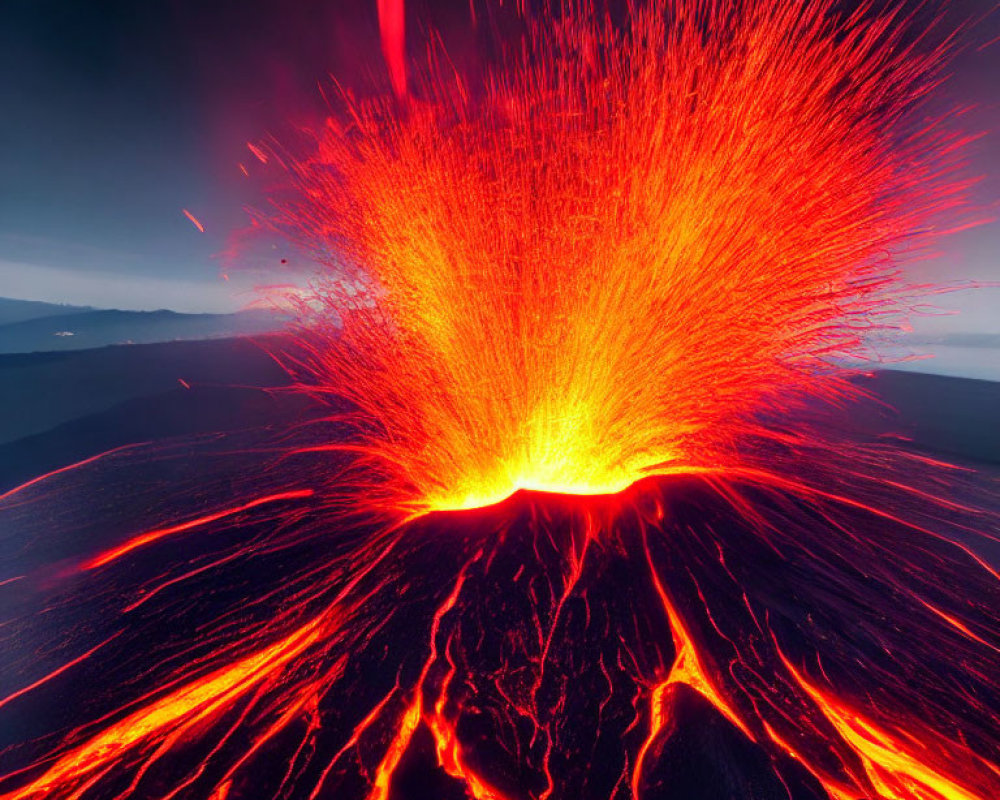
[(605, 262), (579, 521)]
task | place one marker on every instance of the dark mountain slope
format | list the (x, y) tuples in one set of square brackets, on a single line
[(89, 329)]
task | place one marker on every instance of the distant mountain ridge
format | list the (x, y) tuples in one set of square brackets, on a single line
[(60, 328), (20, 310), (988, 340), (39, 391)]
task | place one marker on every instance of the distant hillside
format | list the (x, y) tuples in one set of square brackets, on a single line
[(988, 340), (966, 355), (39, 391), (83, 329), (21, 310), (953, 416)]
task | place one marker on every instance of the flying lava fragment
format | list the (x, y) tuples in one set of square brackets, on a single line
[(392, 27), (576, 516), (194, 220)]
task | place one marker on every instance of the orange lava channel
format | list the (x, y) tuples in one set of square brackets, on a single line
[(896, 767), (687, 669), (173, 716)]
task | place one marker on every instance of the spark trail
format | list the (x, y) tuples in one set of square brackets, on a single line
[(579, 502)]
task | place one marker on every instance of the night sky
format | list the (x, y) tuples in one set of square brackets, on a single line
[(118, 114)]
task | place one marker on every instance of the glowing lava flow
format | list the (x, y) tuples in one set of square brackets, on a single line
[(173, 717), (584, 497), (899, 765), (142, 539), (687, 669)]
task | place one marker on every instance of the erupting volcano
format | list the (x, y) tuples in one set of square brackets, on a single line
[(577, 520)]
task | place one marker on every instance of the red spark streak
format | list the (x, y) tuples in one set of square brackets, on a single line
[(194, 220), (392, 27), (143, 539), (259, 154)]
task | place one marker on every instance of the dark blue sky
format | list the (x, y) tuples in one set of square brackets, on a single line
[(118, 114)]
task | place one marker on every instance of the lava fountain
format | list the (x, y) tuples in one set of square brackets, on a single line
[(578, 523), (604, 263)]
